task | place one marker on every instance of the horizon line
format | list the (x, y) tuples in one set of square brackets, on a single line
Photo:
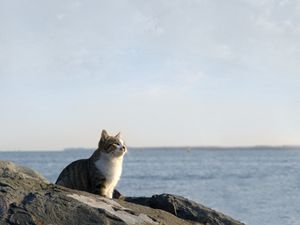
[(163, 147)]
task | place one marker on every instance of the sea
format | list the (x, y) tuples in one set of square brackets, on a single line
[(257, 186)]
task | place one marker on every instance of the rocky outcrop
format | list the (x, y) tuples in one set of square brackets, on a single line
[(26, 198), (184, 208)]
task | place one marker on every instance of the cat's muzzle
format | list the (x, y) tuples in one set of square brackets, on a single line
[(123, 149)]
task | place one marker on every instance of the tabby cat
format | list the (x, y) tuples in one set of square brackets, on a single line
[(100, 173)]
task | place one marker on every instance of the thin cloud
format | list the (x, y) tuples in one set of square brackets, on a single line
[(205, 56)]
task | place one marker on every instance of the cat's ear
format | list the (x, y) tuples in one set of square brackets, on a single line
[(104, 135), (118, 135)]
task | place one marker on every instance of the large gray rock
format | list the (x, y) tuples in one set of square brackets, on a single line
[(185, 209), (26, 198)]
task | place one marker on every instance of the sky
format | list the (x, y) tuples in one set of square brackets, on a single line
[(164, 73)]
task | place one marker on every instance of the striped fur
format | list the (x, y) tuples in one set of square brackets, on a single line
[(100, 173)]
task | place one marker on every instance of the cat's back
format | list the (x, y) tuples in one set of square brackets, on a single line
[(75, 175)]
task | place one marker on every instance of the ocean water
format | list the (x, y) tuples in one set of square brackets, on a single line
[(255, 186)]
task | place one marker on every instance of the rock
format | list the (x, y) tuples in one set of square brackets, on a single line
[(185, 209), (26, 198)]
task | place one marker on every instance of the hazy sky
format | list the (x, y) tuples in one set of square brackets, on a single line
[(165, 73)]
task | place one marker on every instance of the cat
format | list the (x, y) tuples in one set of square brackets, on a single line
[(100, 173)]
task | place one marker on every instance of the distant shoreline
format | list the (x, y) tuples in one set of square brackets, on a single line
[(220, 148), (186, 148)]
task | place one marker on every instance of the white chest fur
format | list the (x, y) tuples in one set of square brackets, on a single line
[(111, 169)]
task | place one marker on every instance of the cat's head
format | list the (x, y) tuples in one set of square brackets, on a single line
[(112, 145)]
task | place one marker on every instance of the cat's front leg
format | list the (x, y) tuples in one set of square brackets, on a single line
[(110, 192), (105, 191), (101, 189)]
